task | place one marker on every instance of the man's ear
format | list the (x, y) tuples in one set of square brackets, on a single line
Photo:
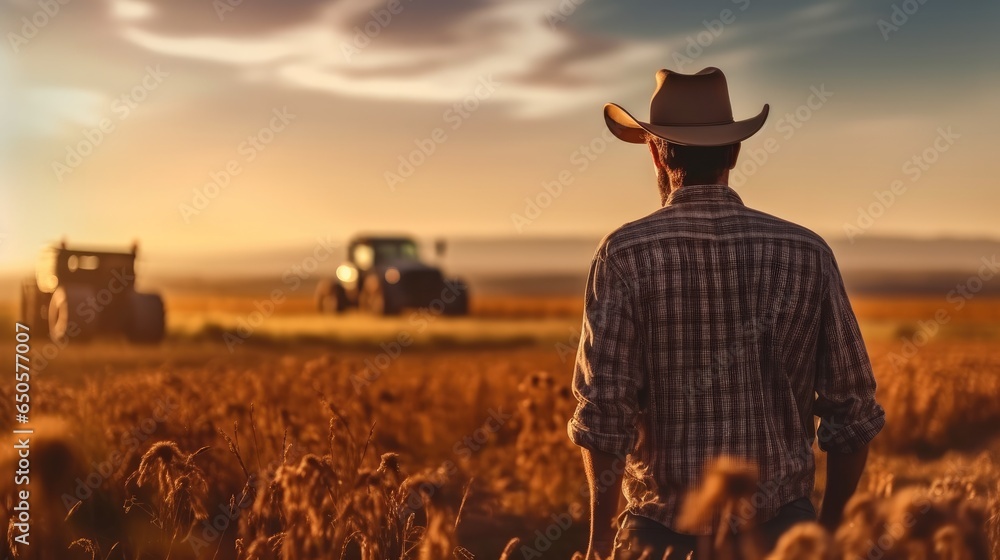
[(655, 152), (734, 155)]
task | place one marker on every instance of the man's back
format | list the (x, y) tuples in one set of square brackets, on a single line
[(713, 329)]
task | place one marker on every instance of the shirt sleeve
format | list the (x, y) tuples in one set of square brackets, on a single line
[(845, 384), (609, 371)]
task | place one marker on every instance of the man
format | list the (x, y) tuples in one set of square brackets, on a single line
[(711, 329)]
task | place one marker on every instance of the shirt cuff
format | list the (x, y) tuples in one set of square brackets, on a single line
[(614, 444), (850, 437)]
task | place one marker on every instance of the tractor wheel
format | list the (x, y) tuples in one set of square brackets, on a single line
[(460, 306), (147, 324), (375, 299), (67, 316), (34, 309)]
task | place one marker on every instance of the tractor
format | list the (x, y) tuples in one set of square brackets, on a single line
[(78, 294), (384, 275)]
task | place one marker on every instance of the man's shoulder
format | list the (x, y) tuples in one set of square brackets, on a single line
[(749, 223), (780, 228)]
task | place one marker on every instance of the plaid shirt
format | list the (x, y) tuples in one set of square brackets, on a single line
[(713, 329)]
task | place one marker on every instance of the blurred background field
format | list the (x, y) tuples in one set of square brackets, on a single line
[(515, 320), (237, 147), (541, 318), (333, 388)]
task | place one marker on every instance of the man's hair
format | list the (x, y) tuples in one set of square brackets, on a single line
[(694, 164)]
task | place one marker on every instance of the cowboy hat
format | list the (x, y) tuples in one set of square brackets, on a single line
[(686, 109)]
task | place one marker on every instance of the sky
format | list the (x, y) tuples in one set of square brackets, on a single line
[(202, 127)]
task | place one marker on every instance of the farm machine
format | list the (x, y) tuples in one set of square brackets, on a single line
[(383, 275), (78, 294)]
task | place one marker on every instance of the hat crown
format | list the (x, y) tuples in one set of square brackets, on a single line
[(690, 99), (688, 110)]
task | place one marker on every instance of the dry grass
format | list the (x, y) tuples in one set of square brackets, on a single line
[(442, 455), (492, 306), (944, 397), (869, 308)]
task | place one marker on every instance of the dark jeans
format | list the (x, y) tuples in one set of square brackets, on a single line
[(639, 533)]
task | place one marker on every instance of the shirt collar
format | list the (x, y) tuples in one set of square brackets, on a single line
[(703, 193)]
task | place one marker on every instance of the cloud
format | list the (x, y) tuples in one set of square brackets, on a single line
[(127, 10), (54, 111), (764, 37), (542, 68), (436, 51)]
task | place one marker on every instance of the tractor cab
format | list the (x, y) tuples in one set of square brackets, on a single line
[(385, 274), (78, 293), (60, 266), (367, 252)]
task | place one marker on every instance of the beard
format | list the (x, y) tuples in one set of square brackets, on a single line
[(663, 182)]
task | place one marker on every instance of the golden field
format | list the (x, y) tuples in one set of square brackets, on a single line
[(331, 437)]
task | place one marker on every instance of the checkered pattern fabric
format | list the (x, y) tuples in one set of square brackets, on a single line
[(713, 329)]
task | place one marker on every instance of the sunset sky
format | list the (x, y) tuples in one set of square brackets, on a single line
[(305, 110)]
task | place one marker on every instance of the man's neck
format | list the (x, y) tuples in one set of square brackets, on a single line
[(720, 180)]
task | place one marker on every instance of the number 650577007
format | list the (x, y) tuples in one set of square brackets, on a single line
[(22, 367)]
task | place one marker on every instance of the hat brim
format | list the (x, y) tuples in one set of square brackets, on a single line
[(628, 128)]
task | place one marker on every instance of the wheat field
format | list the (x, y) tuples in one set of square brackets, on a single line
[(292, 449)]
